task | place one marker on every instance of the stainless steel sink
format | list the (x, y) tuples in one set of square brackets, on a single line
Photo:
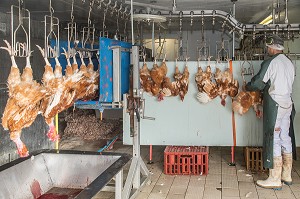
[(35, 175)]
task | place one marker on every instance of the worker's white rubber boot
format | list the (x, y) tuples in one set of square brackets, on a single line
[(274, 179), (287, 159)]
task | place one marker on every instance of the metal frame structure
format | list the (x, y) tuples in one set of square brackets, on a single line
[(72, 31), (134, 181), (52, 34), (20, 49)]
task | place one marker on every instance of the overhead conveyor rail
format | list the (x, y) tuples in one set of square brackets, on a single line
[(230, 19)]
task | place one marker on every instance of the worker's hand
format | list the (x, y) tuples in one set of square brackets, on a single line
[(259, 114)]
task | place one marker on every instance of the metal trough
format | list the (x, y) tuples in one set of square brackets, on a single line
[(61, 174)]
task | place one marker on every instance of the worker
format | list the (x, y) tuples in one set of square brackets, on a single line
[(275, 79)]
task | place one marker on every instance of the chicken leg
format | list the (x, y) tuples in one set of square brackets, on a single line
[(21, 147), (52, 134)]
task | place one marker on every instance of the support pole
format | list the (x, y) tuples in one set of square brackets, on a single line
[(131, 17), (153, 41), (233, 33), (135, 181), (119, 185), (232, 163), (150, 154), (136, 130)]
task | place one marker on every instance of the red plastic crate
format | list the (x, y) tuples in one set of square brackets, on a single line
[(186, 160)]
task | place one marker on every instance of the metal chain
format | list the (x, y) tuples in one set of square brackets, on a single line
[(51, 10), (117, 31), (202, 28), (72, 11), (89, 17), (125, 26), (21, 4), (104, 18)]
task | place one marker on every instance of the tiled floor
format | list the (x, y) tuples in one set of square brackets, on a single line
[(223, 181)]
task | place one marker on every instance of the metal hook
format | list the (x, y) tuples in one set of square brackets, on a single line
[(165, 56), (144, 58), (192, 15), (214, 19), (72, 10)]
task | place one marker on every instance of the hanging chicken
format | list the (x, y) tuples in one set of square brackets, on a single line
[(69, 69), (177, 77), (91, 90), (23, 103), (245, 99), (86, 87), (177, 87), (158, 73), (226, 84), (145, 78), (208, 90), (61, 92), (52, 81), (168, 89), (184, 83)]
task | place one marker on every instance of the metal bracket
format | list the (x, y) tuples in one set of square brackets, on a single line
[(222, 50), (246, 71), (143, 107), (51, 32), (20, 48)]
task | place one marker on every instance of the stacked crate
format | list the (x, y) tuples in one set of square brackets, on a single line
[(186, 160), (254, 159)]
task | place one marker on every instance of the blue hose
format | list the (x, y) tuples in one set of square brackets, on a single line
[(108, 144)]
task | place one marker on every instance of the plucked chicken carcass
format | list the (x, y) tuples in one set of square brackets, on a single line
[(245, 99), (23, 103), (208, 90), (226, 84)]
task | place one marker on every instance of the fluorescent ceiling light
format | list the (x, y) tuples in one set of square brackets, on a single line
[(267, 20)]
